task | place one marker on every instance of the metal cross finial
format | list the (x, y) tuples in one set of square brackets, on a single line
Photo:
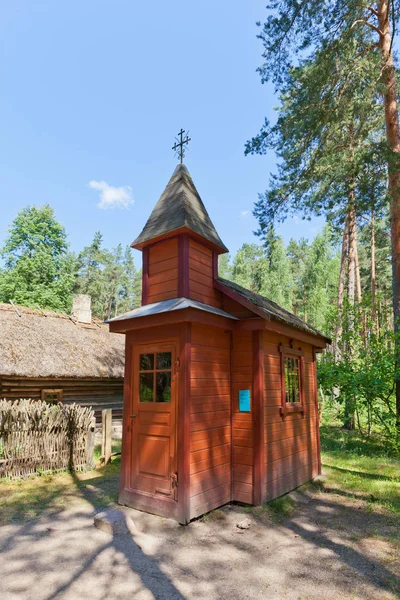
[(179, 147)]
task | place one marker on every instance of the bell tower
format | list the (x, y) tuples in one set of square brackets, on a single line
[(180, 246)]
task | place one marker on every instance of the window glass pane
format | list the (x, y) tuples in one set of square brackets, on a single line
[(146, 387), (291, 366), (163, 387), (163, 360), (146, 362)]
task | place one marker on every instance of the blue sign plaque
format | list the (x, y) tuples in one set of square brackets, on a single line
[(244, 400)]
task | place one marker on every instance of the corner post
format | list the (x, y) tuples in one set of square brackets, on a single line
[(215, 265), (316, 411), (184, 426), (126, 432), (183, 266), (259, 474), (145, 276)]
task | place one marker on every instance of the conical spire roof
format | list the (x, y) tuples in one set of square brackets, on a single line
[(179, 206)]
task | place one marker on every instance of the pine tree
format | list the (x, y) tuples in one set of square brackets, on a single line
[(353, 34)]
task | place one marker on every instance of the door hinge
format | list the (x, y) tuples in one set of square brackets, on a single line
[(174, 478)]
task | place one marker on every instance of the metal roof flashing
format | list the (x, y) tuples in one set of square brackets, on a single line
[(169, 306)]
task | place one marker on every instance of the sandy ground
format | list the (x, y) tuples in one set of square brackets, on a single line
[(322, 551)]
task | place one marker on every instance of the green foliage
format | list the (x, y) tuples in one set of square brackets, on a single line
[(360, 372), (39, 270), (302, 277), (224, 266), (109, 277)]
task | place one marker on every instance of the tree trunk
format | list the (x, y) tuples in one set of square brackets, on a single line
[(351, 284), (357, 266), (342, 282), (351, 280), (393, 140), (373, 273), (343, 263)]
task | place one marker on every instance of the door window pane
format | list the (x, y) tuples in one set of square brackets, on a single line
[(163, 387), (146, 362), (146, 387), (163, 360)]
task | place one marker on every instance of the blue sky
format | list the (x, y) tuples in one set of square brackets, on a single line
[(93, 93)]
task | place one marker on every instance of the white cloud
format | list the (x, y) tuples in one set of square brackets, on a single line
[(112, 197), (244, 213)]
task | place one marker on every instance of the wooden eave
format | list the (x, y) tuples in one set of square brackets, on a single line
[(176, 233)]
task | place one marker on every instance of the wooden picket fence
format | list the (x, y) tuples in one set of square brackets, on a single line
[(37, 437)]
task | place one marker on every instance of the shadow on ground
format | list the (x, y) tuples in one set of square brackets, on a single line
[(327, 548)]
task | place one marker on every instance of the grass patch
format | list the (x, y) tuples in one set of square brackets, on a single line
[(26, 499), (276, 510), (115, 447), (360, 468)]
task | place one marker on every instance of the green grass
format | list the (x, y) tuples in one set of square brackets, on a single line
[(115, 447), (360, 468), (26, 499), (275, 510)]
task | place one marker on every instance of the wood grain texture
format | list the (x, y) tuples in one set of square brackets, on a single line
[(210, 415), (163, 268), (291, 440), (242, 423), (200, 275)]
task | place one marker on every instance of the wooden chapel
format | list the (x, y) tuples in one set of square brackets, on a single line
[(220, 391)]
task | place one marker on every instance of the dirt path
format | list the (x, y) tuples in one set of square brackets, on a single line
[(328, 548)]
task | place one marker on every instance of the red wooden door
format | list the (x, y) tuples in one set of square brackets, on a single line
[(153, 420)]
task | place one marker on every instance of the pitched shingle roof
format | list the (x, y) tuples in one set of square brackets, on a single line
[(272, 309), (179, 206)]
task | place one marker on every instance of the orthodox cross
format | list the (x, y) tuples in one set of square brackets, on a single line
[(179, 146)]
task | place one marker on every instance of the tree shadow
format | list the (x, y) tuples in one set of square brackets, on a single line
[(146, 567), (364, 475), (373, 571)]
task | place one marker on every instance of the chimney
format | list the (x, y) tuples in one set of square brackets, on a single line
[(81, 308)]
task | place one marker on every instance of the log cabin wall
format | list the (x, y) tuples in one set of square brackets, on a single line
[(242, 422), (162, 271), (94, 392), (201, 276), (210, 419), (291, 443)]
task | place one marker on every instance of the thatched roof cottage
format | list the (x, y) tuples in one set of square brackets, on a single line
[(56, 357)]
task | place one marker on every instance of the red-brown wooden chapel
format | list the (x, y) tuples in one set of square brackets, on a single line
[(220, 393)]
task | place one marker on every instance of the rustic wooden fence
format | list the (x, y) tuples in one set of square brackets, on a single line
[(36, 437)]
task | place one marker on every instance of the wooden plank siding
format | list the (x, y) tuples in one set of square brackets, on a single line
[(291, 443), (95, 392), (242, 423), (201, 282), (210, 419), (163, 271)]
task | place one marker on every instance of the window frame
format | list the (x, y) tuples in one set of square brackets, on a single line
[(292, 407), (154, 373), (45, 392)]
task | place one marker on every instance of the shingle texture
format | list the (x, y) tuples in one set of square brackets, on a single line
[(272, 309), (180, 206)]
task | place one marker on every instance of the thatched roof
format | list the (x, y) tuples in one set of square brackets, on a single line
[(47, 344), (272, 309), (179, 206)]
